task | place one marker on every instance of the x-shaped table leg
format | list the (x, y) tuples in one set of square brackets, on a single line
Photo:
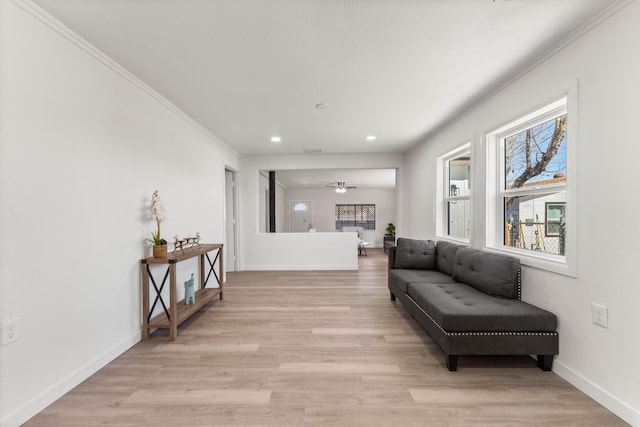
[(158, 294), (212, 268)]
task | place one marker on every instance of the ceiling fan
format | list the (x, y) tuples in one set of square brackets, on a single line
[(341, 186)]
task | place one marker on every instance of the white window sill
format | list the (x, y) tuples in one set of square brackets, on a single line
[(554, 263)]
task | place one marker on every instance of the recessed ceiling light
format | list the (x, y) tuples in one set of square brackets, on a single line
[(275, 139), (371, 138)]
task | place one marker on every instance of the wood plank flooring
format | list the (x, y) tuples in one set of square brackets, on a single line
[(309, 349)]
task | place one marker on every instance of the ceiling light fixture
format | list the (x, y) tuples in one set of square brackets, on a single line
[(276, 139), (341, 190), (371, 138)]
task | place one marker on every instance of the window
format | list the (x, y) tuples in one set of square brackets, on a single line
[(528, 168), (554, 218), (361, 215), (455, 212)]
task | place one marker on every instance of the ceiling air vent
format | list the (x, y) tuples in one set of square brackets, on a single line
[(311, 150)]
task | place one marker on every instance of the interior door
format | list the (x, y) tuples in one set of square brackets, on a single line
[(230, 221), (300, 215)]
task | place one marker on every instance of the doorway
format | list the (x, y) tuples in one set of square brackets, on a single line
[(230, 221), (300, 214)]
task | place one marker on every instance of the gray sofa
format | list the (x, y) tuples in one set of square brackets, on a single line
[(468, 300)]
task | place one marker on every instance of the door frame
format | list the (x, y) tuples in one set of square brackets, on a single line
[(292, 204), (233, 203)]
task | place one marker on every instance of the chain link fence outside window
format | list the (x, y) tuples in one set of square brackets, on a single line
[(546, 237)]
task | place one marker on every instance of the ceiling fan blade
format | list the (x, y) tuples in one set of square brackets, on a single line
[(341, 185)]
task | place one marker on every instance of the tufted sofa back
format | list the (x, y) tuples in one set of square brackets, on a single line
[(493, 274), (415, 254), (446, 252)]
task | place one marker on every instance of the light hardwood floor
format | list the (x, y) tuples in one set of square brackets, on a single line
[(315, 348)]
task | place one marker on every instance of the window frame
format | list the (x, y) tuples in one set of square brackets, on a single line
[(443, 194), (549, 221), (496, 191), (358, 209)]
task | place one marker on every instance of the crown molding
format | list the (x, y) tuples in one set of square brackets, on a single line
[(54, 24)]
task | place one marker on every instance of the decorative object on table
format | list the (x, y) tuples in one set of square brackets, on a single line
[(157, 211), (189, 291), (159, 251), (178, 243), (186, 242)]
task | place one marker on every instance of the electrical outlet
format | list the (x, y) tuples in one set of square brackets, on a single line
[(599, 314), (9, 331)]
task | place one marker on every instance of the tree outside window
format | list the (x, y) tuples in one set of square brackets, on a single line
[(533, 190)]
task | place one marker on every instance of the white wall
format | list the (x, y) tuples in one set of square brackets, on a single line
[(257, 250), (83, 146), (605, 61), (303, 251), (325, 200)]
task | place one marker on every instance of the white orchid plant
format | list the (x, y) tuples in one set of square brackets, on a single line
[(157, 211)]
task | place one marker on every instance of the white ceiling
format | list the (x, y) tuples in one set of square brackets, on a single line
[(250, 69)]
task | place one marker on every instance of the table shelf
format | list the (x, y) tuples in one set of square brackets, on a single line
[(203, 297)]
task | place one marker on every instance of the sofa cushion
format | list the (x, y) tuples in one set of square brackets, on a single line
[(416, 254), (402, 277), (457, 307), (445, 253), (493, 274)]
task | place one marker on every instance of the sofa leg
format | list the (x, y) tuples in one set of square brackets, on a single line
[(545, 361), (452, 362), (393, 297)]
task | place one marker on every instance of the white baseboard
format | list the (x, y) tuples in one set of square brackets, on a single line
[(47, 397), (606, 399), (297, 268)]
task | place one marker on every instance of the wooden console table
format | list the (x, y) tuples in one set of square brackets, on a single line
[(178, 312)]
